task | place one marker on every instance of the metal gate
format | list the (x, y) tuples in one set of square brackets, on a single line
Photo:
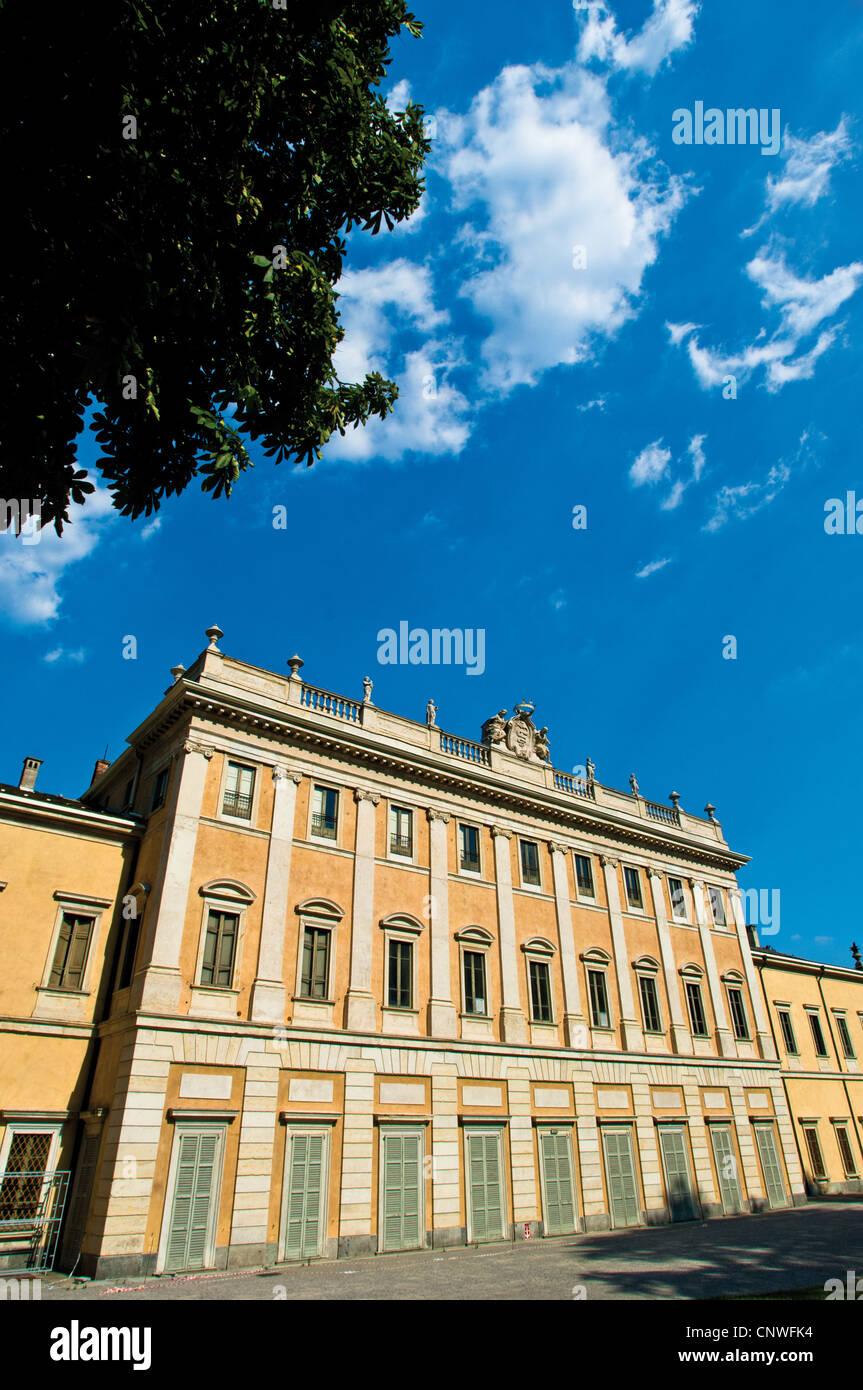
[(31, 1213)]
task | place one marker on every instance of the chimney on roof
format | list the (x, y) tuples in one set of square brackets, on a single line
[(29, 773), (101, 765)]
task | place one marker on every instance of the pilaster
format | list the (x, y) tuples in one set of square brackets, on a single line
[(361, 1008), (513, 1024), (269, 998)]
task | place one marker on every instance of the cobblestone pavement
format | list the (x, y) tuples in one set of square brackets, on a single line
[(751, 1255)]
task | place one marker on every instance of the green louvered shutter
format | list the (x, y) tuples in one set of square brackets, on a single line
[(486, 1187), (770, 1166), (678, 1180), (193, 1197), (71, 952), (620, 1177), (556, 1157), (401, 1191), (304, 1215), (726, 1168)]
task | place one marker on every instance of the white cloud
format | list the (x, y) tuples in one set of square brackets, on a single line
[(400, 95), (151, 528), (378, 307), (565, 223), (61, 654), (678, 331), (740, 502), (558, 600), (801, 304), (30, 574), (598, 404), (696, 453), (668, 28), (652, 568), (651, 464), (808, 166)]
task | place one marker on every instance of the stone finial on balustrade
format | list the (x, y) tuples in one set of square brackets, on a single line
[(710, 811), (856, 957), (674, 798), (295, 662), (214, 633), (177, 671)]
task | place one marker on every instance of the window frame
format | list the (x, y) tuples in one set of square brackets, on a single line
[(315, 835), (526, 883), (734, 990), (598, 962), (639, 907), (692, 976), (841, 1126), (783, 1013), (74, 904), (407, 930), (326, 914), (810, 1132), (222, 895), (581, 894), (539, 951), (475, 941), (398, 808), (683, 915), (713, 888), (814, 1015), (228, 762), (164, 770), (469, 825), (845, 1039), (647, 970), (13, 1127)]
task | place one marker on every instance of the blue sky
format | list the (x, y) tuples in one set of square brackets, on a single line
[(536, 377)]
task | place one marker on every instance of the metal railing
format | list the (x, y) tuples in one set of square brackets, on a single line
[(237, 804), (401, 844), (31, 1213), (325, 826)]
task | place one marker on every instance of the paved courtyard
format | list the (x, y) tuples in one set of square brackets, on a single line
[(752, 1255)]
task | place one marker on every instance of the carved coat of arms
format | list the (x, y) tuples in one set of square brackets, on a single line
[(519, 733)]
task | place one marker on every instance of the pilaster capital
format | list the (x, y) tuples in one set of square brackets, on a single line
[(502, 830), (608, 861), (282, 774), (558, 847), (434, 814), (696, 884), (361, 794), (653, 872), (192, 745)]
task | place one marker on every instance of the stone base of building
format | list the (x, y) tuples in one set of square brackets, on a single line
[(253, 1256)]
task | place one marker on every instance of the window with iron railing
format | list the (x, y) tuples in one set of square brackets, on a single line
[(325, 813), (530, 873), (239, 791), (401, 831)]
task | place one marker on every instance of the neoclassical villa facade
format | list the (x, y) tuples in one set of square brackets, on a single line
[(300, 978)]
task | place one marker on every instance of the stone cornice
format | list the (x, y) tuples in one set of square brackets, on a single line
[(429, 768)]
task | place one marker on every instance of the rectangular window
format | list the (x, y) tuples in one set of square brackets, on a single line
[(738, 1013), (160, 789), (584, 876), (70, 953), (649, 1004), (239, 789), (632, 879), (817, 1035), (787, 1032), (469, 848), (400, 975), (844, 1035), (325, 813), (814, 1148), (845, 1151), (530, 863), (401, 831), (695, 1004), (220, 943), (540, 991), (474, 983), (599, 1011), (717, 905), (678, 901), (26, 1164), (316, 963), (130, 950)]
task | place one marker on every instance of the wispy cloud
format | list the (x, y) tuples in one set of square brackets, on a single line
[(651, 465), (668, 28), (652, 568), (31, 575), (807, 166), (61, 654), (802, 304), (743, 500)]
